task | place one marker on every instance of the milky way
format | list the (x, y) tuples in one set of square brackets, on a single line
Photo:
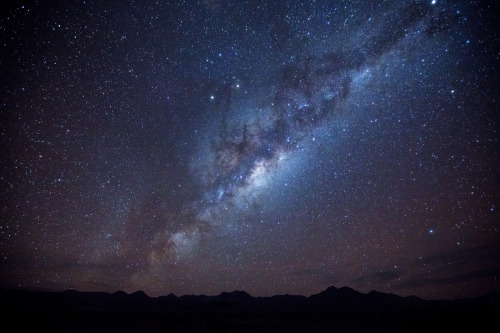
[(197, 147)]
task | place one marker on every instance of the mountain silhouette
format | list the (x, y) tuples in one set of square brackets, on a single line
[(342, 295), (120, 294), (238, 296), (334, 309), (139, 295), (169, 297)]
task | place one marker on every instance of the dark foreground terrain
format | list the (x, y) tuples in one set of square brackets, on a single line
[(333, 310)]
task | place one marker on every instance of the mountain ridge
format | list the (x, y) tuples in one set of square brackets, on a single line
[(331, 293), (333, 309)]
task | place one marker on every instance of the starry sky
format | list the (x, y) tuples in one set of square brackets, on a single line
[(275, 147)]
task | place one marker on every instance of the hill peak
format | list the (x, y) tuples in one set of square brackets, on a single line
[(139, 294), (237, 294)]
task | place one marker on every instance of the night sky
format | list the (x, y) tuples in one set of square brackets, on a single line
[(195, 147)]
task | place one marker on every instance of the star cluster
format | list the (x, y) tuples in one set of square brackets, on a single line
[(275, 147)]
